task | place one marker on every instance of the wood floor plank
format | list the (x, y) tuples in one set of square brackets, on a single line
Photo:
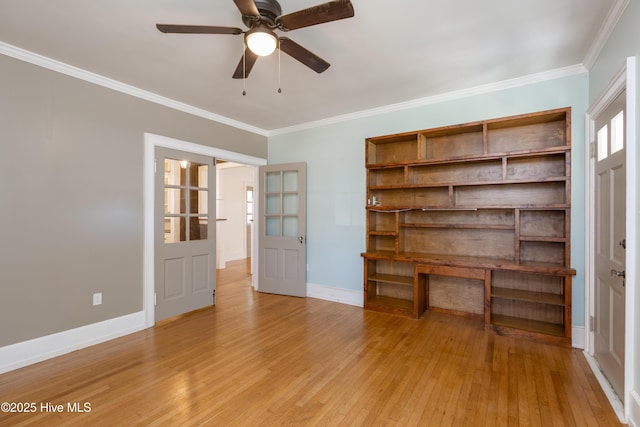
[(269, 360)]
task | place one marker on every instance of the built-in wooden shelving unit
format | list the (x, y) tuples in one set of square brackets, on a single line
[(473, 219)]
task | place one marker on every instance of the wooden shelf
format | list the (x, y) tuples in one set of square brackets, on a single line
[(542, 239), (471, 158), (388, 278), (529, 296), (382, 233), (395, 304), (489, 263), (402, 208), (528, 325), (475, 219), (467, 184), (461, 226)]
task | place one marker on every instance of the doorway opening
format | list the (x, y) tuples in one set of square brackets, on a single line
[(611, 206), (151, 142), (235, 208)]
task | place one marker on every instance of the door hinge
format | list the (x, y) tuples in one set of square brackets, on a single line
[(155, 299), (155, 165), (592, 149), (592, 323)]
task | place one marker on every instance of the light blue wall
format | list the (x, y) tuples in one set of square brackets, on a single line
[(336, 174), (624, 42)]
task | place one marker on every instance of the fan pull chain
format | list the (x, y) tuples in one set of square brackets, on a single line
[(279, 52), (244, 70)]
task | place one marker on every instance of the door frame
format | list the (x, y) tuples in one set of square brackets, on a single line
[(625, 79), (151, 141), (249, 238)]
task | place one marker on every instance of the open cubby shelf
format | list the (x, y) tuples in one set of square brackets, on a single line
[(535, 326), (474, 219), (520, 295), (390, 304)]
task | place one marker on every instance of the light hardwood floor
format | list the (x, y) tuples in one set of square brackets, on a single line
[(268, 360)]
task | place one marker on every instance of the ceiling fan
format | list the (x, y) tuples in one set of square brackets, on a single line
[(262, 17)]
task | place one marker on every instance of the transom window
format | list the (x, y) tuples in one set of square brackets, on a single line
[(610, 138)]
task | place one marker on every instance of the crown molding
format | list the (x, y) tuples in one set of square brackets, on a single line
[(613, 17), (63, 68), (436, 99), (69, 70)]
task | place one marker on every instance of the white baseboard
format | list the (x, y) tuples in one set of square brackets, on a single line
[(234, 256), (616, 404), (343, 296), (26, 353), (634, 409), (578, 337)]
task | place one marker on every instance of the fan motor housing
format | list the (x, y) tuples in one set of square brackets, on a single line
[(269, 11)]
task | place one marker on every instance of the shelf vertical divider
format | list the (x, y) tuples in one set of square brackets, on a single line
[(567, 306), (420, 292), (422, 146), (487, 297), (398, 237), (485, 139), (516, 249)]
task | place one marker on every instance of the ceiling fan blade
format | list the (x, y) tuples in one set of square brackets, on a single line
[(246, 64), (247, 7), (326, 12), (197, 29), (303, 55)]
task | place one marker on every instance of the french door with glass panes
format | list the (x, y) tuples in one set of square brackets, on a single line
[(282, 241), (185, 275)]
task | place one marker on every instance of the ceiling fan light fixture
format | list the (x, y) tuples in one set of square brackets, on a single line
[(261, 40)]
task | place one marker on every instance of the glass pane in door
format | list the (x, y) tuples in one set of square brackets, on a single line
[(603, 142), (290, 226), (186, 204), (617, 132), (174, 229), (273, 226), (273, 182), (174, 201), (199, 201), (273, 204), (290, 181), (290, 204), (198, 229), (281, 204), (199, 174), (174, 172)]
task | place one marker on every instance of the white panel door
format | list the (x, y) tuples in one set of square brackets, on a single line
[(185, 272), (282, 242), (610, 243)]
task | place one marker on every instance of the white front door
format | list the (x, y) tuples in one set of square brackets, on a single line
[(282, 242), (610, 242), (185, 273)]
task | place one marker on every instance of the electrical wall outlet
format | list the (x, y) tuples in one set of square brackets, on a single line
[(97, 298)]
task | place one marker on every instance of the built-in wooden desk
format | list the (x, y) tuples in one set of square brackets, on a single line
[(537, 296)]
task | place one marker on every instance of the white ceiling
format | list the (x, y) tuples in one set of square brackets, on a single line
[(389, 53)]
